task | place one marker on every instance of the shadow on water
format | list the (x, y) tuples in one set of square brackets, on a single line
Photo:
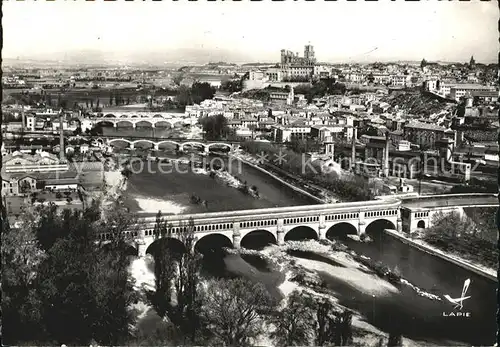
[(313, 256), (256, 261)]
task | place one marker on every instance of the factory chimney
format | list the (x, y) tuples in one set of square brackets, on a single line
[(353, 149), (386, 155), (23, 119), (61, 136)]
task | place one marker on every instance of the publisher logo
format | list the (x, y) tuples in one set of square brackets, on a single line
[(458, 303)]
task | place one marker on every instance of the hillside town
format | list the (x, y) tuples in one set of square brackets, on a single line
[(448, 112), (370, 170)]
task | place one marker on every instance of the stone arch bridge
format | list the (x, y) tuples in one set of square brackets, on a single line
[(312, 221), (145, 119), (180, 144)]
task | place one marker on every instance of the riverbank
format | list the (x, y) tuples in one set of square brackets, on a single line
[(455, 259), (253, 162), (307, 275)]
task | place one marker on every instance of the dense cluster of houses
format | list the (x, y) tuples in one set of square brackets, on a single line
[(24, 173)]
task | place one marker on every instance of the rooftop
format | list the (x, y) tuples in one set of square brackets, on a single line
[(424, 126)]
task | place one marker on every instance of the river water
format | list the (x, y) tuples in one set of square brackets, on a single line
[(402, 311), (172, 189)]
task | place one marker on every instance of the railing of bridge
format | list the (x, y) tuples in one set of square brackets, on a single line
[(283, 211)]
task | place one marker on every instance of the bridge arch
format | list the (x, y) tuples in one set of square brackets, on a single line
[(175, 144), (128, 247), (166, 244), (376, 228), (163, 124), (104, 122), (123, 116), (109, 115), (194, 144), (212, 243), (157, 115), (341, 230), (115, 141), (219, 144), (301, 232), (130, 123), (144, 141), (257, 239), (421, 224), (144, 123), (134, 116), (176, 122)]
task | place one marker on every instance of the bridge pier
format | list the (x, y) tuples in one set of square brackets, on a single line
[(236, 235), (141, 248), (361, 227), (237, 241), (399, 224), (206, 149), (322, 228), (280, 232), (280, 237), (156, 147)]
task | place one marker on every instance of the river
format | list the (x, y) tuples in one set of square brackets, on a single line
[(171, 191), (402, 311)]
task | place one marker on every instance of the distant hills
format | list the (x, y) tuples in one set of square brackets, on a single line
[(175, 57)]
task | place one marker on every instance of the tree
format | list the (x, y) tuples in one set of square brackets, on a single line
[(233, 310), (333, 327), (21, 260), (184, 96), (164, 267), (81, 291), (294, 323), (450, 224), (201, 91), (232, 86), (178, 274), (215, 127), (187, 310)]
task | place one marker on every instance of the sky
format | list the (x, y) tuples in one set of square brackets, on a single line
[(255, 31)]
